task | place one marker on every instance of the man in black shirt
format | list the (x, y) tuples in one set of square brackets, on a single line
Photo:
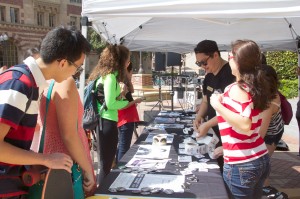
[(218, 76)]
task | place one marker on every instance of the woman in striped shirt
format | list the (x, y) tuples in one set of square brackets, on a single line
[(246, 159)]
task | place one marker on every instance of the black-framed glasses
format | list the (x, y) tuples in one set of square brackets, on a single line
[(79, 69), (204, 63)]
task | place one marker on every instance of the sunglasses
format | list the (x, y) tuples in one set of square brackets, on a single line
[(204, 63), (79, 69)]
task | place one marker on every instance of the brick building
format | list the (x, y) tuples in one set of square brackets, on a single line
[(24, 23)]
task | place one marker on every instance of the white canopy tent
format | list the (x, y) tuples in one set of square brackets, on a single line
[(178, 25)]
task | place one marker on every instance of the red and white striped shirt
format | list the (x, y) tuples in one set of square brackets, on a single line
[(239, 147)]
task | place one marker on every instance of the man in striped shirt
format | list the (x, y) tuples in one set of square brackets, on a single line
[(62, 54)]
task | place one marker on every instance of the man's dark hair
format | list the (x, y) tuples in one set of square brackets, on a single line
[(63, 43), (207, 47)]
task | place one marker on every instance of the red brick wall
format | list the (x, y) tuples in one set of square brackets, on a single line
[(142, 80), (72, 9)]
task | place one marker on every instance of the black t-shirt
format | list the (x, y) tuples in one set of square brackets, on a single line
[(218, 83)]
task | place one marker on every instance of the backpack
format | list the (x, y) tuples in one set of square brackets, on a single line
[(91, 96), (286, 109)]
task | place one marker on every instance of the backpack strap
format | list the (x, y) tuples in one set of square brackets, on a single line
[(25, 72), (41, 147)]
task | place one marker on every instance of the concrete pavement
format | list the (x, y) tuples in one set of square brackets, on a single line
[(285, 171)]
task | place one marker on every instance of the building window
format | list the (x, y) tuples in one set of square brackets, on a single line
[(8, 52), (73, 21), (40, 19), (75, 1), (51, 20), (14, 15), (2, 13)]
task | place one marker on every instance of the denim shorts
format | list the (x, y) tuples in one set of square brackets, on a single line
[(245, 180), (270, 139)]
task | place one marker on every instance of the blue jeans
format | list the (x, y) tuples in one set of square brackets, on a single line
[(246, 180), (125, 136)]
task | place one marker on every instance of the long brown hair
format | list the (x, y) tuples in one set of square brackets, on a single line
[(113, 58), (247, 55)]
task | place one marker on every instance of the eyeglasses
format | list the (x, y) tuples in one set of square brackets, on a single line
[(204, 63), (79, 69)]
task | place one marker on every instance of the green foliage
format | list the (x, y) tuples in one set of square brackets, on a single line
[(95, 40), (285, 64), (289, 88)]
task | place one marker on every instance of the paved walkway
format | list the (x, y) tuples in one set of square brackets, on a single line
[(285, 174)]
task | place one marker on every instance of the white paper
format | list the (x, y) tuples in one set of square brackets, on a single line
[(164, 126), (147, 163), (204, 140), (181, 145), (131, 181), (184, 158), (153, 152), (181, 151)]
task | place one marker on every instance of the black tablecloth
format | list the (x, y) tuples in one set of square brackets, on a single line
[(210, 184)]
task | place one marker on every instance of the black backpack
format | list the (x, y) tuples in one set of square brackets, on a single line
[(91, 96)]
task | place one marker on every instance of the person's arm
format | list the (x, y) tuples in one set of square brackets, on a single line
[(65, 96), (13, 155), (234, 119), (110, 93), (205, 126), (201, 113), (135, 101), (200, 125)]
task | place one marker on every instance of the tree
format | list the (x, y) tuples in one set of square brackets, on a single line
[(285, 63), (95, 40)]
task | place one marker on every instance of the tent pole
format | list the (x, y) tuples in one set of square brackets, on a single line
[(84, 26), (141, 70), (298, 71)]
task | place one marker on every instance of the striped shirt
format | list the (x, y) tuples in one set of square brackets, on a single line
[(239, 147), (276, 125), (15, 91)]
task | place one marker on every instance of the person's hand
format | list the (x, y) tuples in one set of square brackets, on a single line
[(138, 100), (218, 152), (215, 100), (202, 130), (88, 181), (58, 161), (197, 122), (120, 97)]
